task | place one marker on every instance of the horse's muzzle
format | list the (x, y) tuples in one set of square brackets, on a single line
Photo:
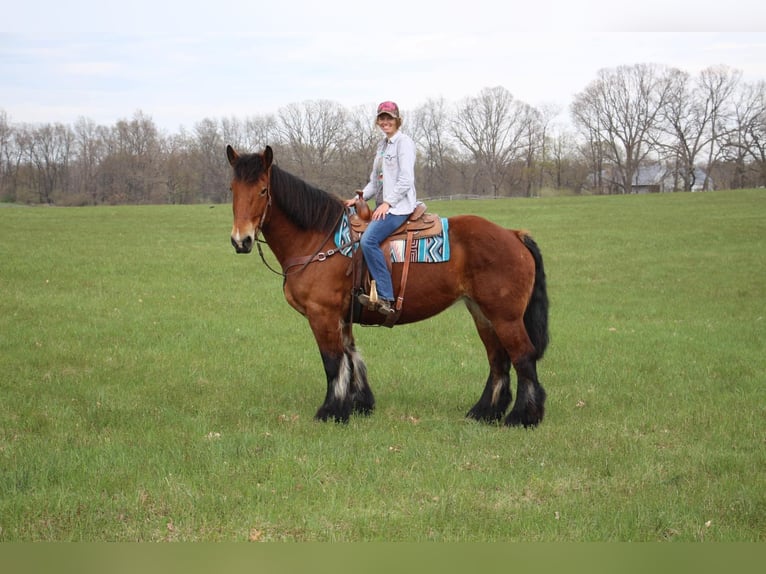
[(244, 245)]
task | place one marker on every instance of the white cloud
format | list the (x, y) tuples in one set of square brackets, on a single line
[(181, 63), (89, 68)]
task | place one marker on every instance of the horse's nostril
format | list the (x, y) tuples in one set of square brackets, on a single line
[(243, 246)]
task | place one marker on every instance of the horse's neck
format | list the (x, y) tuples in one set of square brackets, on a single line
[(287, 240)]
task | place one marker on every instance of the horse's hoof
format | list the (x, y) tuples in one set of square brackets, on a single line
[(484, 415), (324, 415), (515, 420)]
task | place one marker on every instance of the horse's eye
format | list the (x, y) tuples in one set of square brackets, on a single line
[(264, 191)]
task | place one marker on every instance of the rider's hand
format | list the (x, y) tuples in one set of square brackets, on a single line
[(381, 211)]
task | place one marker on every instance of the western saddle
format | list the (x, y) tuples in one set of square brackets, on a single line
[(420, 224)]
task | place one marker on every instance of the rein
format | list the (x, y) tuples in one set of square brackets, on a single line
[(305, 260)]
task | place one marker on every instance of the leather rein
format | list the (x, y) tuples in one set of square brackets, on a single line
[(303, 261)]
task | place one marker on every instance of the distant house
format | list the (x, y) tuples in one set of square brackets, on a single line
[(648, 178), (656, 178)]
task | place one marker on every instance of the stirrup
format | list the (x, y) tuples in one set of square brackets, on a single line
[(381, 305)]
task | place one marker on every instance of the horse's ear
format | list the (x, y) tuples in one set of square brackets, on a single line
[(268, 157), (232, 155)]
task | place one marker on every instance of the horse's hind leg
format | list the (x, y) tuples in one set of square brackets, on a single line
[(507, 340), (497, 392), (529, 408)]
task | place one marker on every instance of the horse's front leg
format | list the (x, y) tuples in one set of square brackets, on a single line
[(362, 399), (347, 388), (338, 402)]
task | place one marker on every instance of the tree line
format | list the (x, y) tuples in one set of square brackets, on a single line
[(696, 132)]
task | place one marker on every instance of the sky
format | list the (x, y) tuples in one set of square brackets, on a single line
[(179, 63)]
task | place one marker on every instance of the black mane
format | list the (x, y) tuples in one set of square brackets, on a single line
[(306, 206)]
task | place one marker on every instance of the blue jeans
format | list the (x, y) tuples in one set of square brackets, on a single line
[(374, 235)]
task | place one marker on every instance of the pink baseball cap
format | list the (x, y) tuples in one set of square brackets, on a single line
[(389, 108)]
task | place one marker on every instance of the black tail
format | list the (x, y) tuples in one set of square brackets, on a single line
[(536, 315)]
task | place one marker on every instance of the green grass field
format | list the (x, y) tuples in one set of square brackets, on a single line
[(156, 387)]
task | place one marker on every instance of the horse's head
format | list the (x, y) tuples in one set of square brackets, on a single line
[(250, 195)]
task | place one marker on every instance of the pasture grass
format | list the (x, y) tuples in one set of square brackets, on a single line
[(157, 387)]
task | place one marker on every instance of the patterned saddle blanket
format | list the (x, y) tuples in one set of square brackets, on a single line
[(429, 249)]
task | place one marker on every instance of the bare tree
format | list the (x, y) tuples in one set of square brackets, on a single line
[(356, 153), (620, 109), (49, 151), (430, 133), (183, 178), (548, 112), (593, 147), (717, 84), (10, 158), (130, 170), (755, 130), (90, 149), (208, 149), (233, 132), (490, 144), (533, 137), (746, 137), (566, 171), (492, 127), (694, 119), (260, 131), (314, 133), (685, 125)]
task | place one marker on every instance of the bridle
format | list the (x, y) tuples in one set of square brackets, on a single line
[(267, 192), (258, 241)]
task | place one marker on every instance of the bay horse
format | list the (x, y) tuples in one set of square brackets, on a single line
[(497, 272)]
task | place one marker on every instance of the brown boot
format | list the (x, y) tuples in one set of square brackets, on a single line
[(364, 299), (381, 305), (386, 307)]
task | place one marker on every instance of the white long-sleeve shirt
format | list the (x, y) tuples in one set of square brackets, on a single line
[(393, 175)]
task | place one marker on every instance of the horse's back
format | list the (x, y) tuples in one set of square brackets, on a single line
[(479, 239), (486, 262)]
